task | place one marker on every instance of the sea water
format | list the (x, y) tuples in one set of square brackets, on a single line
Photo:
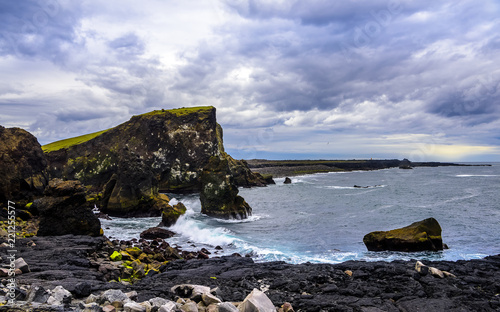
[(323, 217)]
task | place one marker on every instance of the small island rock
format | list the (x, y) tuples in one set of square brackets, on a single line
[(419, 236), (288, 180)]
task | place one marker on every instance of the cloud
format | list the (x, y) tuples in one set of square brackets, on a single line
[(306, 72)]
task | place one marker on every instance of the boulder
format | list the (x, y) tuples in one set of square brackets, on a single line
[(219, 194), (21, 265), (287, 181), (64, 210), (156, 232), (171, 214), (228, 307), (257, 301), (22, 166), (419, 236)]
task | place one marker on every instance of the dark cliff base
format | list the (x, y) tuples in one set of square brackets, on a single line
[(349, 286), (284, 168)]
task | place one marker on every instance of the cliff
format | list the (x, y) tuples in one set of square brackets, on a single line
[(22, 166), (161, 151)]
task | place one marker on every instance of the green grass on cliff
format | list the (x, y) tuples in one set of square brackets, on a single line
[(180, 111), (54, 146)]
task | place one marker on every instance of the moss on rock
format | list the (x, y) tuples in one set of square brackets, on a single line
[(419, 236)]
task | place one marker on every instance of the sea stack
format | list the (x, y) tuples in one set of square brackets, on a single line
[(419, 236)]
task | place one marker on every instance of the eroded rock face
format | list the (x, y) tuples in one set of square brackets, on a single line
[(219, 194), (64, 210), (22, 166), (419, 236), (161, 151)]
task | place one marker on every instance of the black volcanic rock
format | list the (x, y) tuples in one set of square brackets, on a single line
[(22, 166), (219, 194), (64, 210), (161, 151)]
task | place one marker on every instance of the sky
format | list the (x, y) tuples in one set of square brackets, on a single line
[(290, 79)]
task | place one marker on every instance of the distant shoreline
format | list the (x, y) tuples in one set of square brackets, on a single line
[(289, 168)]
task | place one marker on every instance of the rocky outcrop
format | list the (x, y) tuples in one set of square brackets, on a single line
[(130, 164), (22, 166), (171, 214), (64, 210), (419, 236), (219, 194)]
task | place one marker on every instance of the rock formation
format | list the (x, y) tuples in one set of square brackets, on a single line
[(64, 210), (130, 164), (171, 214), (22, 166), (419, 236), (219, 194)]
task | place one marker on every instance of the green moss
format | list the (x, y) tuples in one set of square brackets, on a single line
[(115, 256), (55, 146), (180, 111)]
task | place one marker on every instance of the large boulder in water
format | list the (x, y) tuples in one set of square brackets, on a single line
[(419, 236), (64, 210), (219, 194), (22, 166)]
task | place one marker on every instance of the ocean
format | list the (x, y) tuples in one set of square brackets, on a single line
[(322, 218)]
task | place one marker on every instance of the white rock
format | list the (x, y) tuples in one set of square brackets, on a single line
[(133, 307), (58, 295), (168, 307), (227, 307), (113, 295), (257, 301), (208, 299)]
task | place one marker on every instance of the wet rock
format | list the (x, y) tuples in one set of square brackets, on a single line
[(64, 210), (219, 194), (288, 180), (419, 236), (170, 214), (156, 232)]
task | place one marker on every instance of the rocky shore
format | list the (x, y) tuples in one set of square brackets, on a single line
[(77, 267)]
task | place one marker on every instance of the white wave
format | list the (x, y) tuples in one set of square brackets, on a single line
[(249, 219), (193, 231), (477, 175)]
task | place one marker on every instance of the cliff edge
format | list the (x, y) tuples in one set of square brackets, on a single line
[(129, 165)]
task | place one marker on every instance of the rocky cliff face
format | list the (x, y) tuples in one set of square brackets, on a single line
[(22, 166), (161, 151)]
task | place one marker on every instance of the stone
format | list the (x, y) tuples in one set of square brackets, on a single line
[(287, 307), (219, 194), (133, 307), (287, 181), (64, 210), (168, 307), (116, 256), (59, 296), (112, 296), (194, 292), (23, 167), (257, 301), (419, 236), (156, 232), (228, 307), (170, 214), (109, 308), (158, 302), (209, 299), (82, 289), (190, 307), (21, 265), (38, 294)]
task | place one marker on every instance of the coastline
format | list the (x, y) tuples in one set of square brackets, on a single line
[(72, 261), (290, 168)]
